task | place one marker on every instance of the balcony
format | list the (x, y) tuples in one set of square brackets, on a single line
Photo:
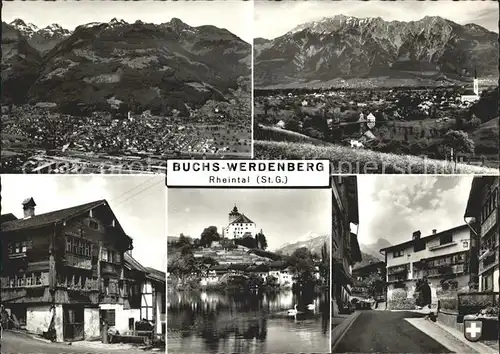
[(108, 268), (488, 224), (438, 247), (488, 261)]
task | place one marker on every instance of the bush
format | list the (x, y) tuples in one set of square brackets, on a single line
[(449, 304), (402, 304), (399, 294)]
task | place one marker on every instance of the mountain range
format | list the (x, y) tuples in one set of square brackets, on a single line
[(349, 47), (145, 66)]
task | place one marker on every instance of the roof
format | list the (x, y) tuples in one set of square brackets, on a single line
[(7, 217), (133, 264), (473, 203), (49, 218), (369, 266), (156, 274), (409, 243), (242, 219)]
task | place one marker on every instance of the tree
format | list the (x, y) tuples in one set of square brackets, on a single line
[(247, 241), (209, 235), (260, 238), (302, 265), (458, 141), (374, 283)]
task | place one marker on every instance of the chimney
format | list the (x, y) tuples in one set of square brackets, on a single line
[(416, 235), (434, 231), (29, 207)]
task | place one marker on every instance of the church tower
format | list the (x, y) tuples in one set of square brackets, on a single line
[(234, 214), (476, 84)]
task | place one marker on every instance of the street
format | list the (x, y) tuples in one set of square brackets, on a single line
[(387, 332), (23, 344)]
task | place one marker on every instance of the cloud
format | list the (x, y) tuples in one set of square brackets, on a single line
[(393, 207)]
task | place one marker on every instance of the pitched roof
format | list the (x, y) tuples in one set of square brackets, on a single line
[(156, 274), (46, 219), (132, 263), (7, 217), (242, 219)]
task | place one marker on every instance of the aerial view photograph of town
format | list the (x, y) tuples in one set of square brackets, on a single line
[(119, 87), (416, 257), (378, 87), (248, 271), (78, 274)]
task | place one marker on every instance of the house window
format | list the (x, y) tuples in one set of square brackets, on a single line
[(29, 281), (18, 247), (488, 282), (397, 254), (109, 317), (24, 246), (93, 225), (12, 282), (104, 254), (445, 239), (20, 281), (69, 244), (131, 324), (419, 245)]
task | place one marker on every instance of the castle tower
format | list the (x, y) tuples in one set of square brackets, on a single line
[(476, 84), (233, 215)]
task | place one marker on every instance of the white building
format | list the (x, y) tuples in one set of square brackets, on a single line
[(473, 96), (239, 225), (442, 257)]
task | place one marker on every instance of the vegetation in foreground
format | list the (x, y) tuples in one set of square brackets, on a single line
[(351, 161)]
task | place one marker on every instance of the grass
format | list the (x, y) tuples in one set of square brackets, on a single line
[(346, 160), (277, 134)]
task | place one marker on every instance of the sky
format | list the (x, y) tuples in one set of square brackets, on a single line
[(393, 207), (70, 14), (284, 215), (138, 202), (273, 19)]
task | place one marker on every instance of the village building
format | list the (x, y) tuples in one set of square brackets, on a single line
[(239, 225), (482, 215), (471, 96), (69, 271), (345, 246), (442, 257)]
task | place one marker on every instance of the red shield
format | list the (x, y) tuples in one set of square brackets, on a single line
[(473, 330)]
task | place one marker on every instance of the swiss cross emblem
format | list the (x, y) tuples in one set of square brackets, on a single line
[(472, 330)]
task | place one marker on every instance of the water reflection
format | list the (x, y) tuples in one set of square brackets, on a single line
[(209, 322)]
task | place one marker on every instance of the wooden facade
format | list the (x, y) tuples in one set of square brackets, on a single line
[(72, 258)]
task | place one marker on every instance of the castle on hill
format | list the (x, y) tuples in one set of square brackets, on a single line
[(239, 226)]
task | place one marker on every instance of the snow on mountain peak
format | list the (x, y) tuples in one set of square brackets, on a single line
[(26, 29)]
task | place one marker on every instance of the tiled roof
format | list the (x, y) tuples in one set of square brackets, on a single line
[(46, 219), (156, 274), (242, 219), (133, 264)]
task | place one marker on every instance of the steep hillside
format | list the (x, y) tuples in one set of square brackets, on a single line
[(373, 249), (20, 64), (366, 259), (347, 47), (42, 39), (314, 244), (145, 66)]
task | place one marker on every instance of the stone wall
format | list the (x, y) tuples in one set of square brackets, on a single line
[(449, 318)]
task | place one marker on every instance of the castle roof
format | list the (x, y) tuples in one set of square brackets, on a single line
[(242, 219)]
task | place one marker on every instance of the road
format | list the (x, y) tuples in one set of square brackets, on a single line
[(23, 344), (387, 332)]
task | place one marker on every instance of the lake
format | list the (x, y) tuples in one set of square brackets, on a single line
[(211, 322)]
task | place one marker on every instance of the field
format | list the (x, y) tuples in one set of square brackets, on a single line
[(346, 160)]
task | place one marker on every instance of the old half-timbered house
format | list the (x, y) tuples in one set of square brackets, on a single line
[(61, 268)]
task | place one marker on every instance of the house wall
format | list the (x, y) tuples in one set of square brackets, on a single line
[(38, 318), (239, 229), (122, 316), (92, 323), (409, 256)]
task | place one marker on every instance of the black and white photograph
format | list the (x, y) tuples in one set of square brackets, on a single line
[(248, 270), (80, 272), (419, 270), (120, 86), (378, 86)]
